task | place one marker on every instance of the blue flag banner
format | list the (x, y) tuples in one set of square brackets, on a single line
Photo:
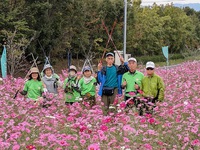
[(165, 51), (4, 63)]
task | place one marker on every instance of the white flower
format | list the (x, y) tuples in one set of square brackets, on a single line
[(51, 117), (185, 102), (89, 125)]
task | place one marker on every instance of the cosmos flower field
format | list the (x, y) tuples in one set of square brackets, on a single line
[(175, 125)]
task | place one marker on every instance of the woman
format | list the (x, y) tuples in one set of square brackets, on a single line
[(50, 79), (72, 91), (33, 88), (88, 86)]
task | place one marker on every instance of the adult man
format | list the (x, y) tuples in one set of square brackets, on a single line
[(109, 78), (152, 85), (132, 79)]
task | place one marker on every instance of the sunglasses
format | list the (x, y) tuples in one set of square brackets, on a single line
[(150, 68)]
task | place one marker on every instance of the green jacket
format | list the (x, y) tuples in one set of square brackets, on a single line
[(72, 93), (88, 88), (153, 87), (131, 80), (34, 89)]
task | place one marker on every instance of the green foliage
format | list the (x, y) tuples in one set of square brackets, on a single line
[(157, 58), (77, 26), (15, 30)]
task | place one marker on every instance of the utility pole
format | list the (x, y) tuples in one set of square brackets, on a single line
[(125, 23)]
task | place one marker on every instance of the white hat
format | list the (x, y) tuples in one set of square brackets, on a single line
[(48, 66), (72, 67), (150, 64), (109, 54), (132, 59)]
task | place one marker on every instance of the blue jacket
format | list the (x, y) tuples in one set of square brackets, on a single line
[(101, 75)]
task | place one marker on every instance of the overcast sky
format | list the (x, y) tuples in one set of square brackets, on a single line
[(150, 2)]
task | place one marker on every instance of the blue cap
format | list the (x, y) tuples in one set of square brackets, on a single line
[(109, 54), (86, 68)]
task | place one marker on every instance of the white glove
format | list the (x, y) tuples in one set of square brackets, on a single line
[(45, 90)]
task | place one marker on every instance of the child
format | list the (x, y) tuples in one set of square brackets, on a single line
[(50, 79), (33, 87), (72, 91), (88, 86)]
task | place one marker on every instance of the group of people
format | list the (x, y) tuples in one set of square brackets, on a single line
[(138, 89)]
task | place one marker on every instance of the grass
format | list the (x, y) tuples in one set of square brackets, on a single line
[(60, 65), (178, 61)]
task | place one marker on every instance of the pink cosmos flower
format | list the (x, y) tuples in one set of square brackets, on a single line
[(1, 123), (95, 138), (115, 102), (16, 147), (195, 129), (6, 116), (195, 142), (130, 102), (107, 120), (101, 135), (151, 120), (70, 119), (30, 147), (198, 111), (132, 93), (104, 128), (94, 146), (127, 128), (148, 146), (186, 139), (83, 128), (160, 143), (177, 120), (143, 120), (165, 104), (63, 143), (126, 140), (122, 105), (82, 141), (140, 91)]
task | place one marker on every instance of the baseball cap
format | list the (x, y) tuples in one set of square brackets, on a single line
[(109, 54), (150, 64), (86, 68), (132, 59)]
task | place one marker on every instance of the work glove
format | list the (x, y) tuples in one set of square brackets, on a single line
[(23, 92), (45, 90)]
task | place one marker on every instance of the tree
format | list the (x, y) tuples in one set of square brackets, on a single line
[(17, 33)]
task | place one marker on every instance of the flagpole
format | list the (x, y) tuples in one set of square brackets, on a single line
[(125, 23)]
